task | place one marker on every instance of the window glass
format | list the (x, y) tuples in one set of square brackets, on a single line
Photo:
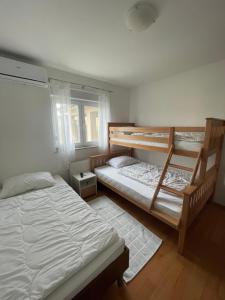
[(85, 122), (91, 123), (75, 123)]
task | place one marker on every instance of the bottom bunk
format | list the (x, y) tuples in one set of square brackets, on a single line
[(176, 211), (139, 192)]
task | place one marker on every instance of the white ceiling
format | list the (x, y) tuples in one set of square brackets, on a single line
[(89, 37)]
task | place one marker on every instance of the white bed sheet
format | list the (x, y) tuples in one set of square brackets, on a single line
[(140, 192), (179, 145), (48, 236)]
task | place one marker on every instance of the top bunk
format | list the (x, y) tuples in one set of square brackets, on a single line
[(187, 141)]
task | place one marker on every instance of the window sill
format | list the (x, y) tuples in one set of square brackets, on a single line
[(85, 147)]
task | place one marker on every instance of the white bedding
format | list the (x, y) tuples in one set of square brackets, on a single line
[(150, 174), (140, 192), (179, 145), (47, 236), (179, 136), (188, 136), (77, 282)]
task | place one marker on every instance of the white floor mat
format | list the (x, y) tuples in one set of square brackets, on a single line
[(141, 242)]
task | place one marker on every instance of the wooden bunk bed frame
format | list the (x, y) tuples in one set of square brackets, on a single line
[(198, 192)]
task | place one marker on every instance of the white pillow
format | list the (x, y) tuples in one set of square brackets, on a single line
[(26, 182), (122, 161)]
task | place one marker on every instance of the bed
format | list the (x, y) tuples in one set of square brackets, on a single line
[(177, 208), (54, 246)]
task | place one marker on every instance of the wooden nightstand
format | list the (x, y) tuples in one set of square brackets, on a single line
[(85, 186)]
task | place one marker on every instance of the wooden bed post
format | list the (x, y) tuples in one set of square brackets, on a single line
[(204, 160), (171, 137), (183, 223), (109, 146), (220, 143), (219, 154), (213, 141)]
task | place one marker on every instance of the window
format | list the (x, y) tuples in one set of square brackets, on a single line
[(85, 122)]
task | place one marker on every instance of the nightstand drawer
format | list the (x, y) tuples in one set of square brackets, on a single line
[(89, 191), (87, 182)]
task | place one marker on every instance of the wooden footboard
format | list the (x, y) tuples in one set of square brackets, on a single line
[(101, 159), (195, 198), (198, 197)]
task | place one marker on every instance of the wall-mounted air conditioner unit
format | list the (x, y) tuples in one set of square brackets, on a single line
[(24, 73)]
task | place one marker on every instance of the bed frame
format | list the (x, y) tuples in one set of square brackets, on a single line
[(203, 182), (114, 272)]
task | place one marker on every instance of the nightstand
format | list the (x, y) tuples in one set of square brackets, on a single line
[(85, 186)]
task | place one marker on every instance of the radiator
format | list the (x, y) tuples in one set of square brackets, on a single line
[(79, 166)]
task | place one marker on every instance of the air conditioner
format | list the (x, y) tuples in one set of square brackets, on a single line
[(24, 73)]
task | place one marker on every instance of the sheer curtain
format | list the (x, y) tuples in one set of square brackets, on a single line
[(104, 118), (61, 118)]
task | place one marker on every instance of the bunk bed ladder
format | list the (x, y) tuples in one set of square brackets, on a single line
[(173, 221)]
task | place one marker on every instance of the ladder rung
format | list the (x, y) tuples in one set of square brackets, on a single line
[(181, 167), (171, 190)]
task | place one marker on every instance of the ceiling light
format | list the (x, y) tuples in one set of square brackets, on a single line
[(140, 16)]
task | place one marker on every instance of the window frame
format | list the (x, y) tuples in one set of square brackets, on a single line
[(82, 132)]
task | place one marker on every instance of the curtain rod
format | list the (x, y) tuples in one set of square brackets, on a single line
[(83, 86)]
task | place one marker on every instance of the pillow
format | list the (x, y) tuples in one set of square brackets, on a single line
[(26, 182), (121, 161)]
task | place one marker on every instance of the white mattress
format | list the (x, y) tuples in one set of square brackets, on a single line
[(179, 145), (47, 237), (77, 282), (140, 192)]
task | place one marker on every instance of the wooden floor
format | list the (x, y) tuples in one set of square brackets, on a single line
[(198, 275)]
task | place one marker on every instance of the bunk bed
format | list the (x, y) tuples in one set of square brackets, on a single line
[(203, 144)]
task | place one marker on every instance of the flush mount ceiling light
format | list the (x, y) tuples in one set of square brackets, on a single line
[(140, 16)]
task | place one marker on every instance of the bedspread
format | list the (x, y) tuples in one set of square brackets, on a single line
[(46, 236), (150, 174)]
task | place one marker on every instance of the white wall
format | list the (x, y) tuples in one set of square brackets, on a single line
[(26, 142), (185, 99)]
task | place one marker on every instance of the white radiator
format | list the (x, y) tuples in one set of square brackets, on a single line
[(79, 166)]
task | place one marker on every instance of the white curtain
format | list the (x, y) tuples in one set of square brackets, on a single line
[(104, 118), (61, 118)]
